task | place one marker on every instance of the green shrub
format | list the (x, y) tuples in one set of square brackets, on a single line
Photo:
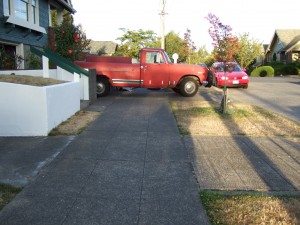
[(35, 62), (289, 70), (263, 71), (277, 66)]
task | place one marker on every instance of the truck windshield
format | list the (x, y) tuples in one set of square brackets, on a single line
[(167, 57)]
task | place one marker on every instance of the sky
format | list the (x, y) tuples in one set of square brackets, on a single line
[(102, 19)]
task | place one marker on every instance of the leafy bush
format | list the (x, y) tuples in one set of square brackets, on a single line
[(277, 66), (289, 70), (35, 62), (286, 69), (263, 71)]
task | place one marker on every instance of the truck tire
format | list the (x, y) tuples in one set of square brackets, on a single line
[(188, 87), (103, 87)]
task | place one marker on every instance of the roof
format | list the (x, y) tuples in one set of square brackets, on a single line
[(293, 45), (108, 47), (265, 47), (67, 4), (285, 37)]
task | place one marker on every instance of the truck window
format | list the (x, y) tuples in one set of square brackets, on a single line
[(154, 57), (167, 57)]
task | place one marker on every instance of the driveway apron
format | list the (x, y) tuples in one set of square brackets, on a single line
[(129, 167)]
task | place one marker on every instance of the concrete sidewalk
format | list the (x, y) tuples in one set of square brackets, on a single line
[(129, 167), (244, 163)]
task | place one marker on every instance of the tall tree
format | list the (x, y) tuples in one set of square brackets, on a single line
[(249, 49), (132, 41), (225, 47), (224, 42), (70, 40), (175, 44), (190, 45), (200, 56)]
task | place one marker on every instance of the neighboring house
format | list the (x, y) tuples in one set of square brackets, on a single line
[(106, 48), (260, 60), (25, 23), (284, 46)]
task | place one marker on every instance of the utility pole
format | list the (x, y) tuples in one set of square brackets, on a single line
[(162, 14)]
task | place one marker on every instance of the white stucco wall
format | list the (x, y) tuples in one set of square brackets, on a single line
[(57, 74), (35, 111)]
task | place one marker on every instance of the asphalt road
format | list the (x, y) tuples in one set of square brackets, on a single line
[(278, 94)]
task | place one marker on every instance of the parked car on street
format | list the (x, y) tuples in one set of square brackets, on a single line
[(230, 74)]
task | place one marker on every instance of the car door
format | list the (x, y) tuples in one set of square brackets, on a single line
[(154, 70)]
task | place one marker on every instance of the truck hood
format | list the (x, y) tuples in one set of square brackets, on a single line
[(189, 69)]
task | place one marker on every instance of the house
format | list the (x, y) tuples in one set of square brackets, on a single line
[(260, 60), (284, 46), (106, 48), (25, 23)]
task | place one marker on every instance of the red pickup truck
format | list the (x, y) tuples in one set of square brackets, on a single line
[(153, 70)]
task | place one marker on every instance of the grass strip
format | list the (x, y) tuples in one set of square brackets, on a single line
[(75, 124), (7, 193), (204, 118), (255, 208)]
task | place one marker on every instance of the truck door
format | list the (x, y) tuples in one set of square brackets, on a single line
[(154, 70)]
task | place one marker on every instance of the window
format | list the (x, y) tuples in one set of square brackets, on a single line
[(154, 57), (23, 13), (33, 11), (21, 9), (6, 7)]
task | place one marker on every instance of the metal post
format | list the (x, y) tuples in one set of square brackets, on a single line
[(162, 13)]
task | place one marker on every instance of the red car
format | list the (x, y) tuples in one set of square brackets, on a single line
[(234, 76)]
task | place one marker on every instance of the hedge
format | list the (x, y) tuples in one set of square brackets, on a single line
[(263, 71), (286, 69), (289, 70)]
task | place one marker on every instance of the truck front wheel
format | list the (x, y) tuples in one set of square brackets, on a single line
[(188, 87), (103, 87)]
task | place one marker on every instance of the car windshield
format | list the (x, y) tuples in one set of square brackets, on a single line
[(235, 67)]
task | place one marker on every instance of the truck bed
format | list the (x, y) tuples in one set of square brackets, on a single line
[(121, 74)]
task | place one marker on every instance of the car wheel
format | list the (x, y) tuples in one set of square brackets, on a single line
[(188, 87), (103, 87), (245, 87)]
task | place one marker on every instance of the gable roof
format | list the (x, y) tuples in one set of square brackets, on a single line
[(286, 37), (108, 47), (293, 45)]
